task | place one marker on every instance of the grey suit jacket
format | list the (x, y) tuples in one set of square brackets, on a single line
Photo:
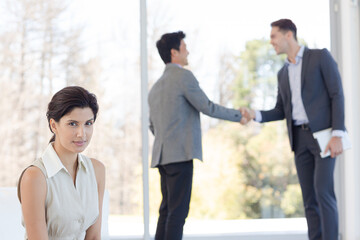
[(175, 101), (321, 91)]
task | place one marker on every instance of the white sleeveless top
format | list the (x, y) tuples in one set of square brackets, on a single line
[(70, 209)]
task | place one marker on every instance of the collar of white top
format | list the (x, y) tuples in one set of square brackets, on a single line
[(53, 163)]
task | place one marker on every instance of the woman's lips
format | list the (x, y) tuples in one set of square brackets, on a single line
[(79, 143)]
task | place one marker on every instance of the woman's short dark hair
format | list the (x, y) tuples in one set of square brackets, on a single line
[(68, 98), (167, 42), (285, 25)]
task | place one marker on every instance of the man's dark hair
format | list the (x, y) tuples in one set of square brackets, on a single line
[(285, 25), (167, 42)]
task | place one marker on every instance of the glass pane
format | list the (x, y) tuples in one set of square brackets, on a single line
[(248, 172), (113, 35)]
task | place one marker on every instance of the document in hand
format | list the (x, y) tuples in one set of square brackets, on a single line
[(323, 137)]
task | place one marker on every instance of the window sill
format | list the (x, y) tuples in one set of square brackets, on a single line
[(249, 229)]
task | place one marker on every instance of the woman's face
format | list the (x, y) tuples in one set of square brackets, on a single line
[(74, 130)]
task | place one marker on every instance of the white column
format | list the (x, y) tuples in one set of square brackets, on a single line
[(144, 116), (346, 45)]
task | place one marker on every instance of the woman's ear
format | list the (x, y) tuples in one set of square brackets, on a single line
[(53, 125)]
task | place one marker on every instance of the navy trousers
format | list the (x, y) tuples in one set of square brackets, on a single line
[(176, 185), (316, 177)]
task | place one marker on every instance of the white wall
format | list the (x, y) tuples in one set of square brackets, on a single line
[(345, 43)]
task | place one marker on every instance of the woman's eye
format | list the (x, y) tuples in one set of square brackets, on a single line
[(89, 123), (73, 124)]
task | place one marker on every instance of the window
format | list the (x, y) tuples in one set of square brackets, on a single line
[(248, 172)]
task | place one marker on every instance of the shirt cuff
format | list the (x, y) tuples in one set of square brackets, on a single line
[(258, 116), (338, 133)]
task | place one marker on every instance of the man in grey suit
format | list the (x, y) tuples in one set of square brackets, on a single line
[(310, 98), (175, 102)]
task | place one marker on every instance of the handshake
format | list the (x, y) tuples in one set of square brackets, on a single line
[(247, 115)]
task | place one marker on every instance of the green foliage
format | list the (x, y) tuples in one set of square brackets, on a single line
[(256, 73), (246, 174), (292, 203), (269, 165), (217, 187)]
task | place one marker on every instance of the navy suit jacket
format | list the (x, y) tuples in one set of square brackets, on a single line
[(321, 92)]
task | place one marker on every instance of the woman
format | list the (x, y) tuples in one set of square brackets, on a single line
[(61, 193)]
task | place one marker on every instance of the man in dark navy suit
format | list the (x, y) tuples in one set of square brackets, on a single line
[(310, 98)]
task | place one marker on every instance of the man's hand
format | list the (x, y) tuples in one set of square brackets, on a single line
[(334, 146), (247, 115)]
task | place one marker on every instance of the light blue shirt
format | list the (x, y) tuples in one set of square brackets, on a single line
[(298, 111), (294, 69)]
